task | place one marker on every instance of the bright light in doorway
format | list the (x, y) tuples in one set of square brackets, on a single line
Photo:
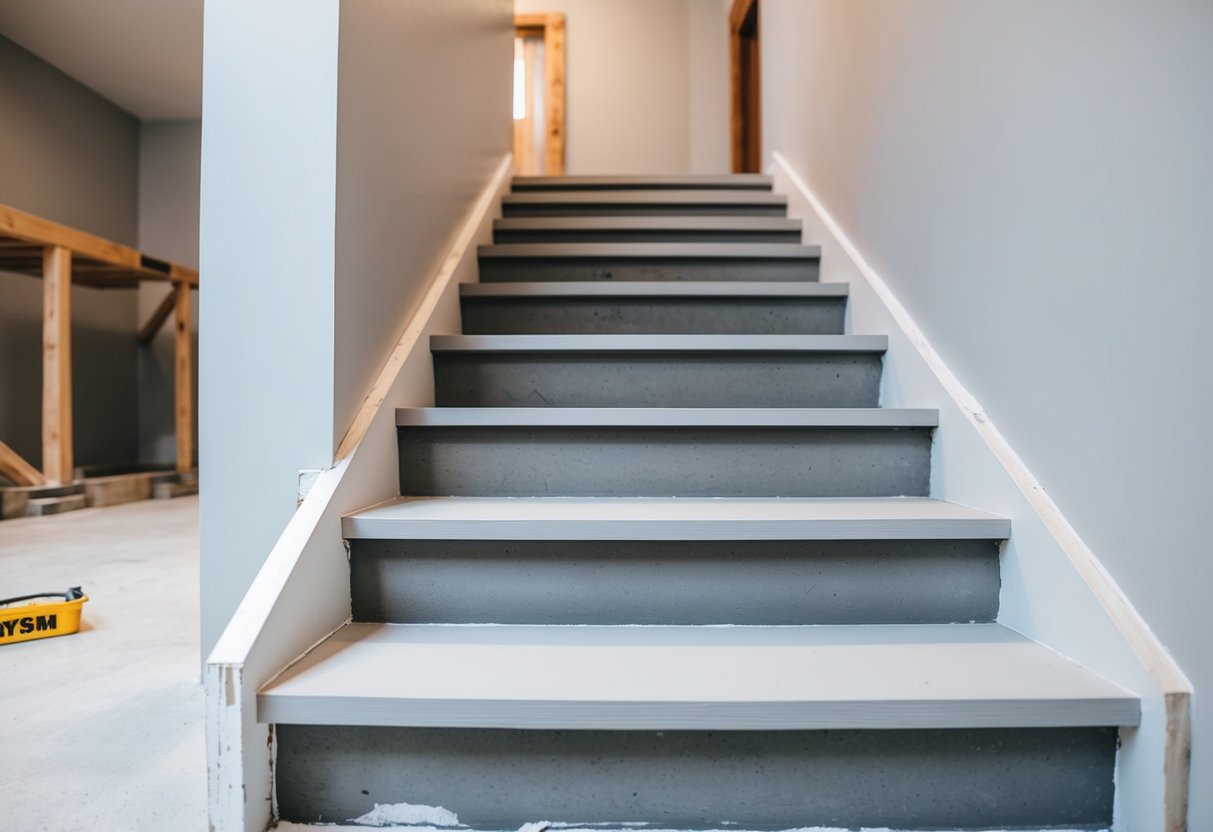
[(519, 89)]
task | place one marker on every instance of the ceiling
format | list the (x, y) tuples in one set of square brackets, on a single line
[(143, 55)]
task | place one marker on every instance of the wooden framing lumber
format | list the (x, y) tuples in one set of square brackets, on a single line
[(156, 320), (96, 261), (183, 377), (14, 467), (57, 464)]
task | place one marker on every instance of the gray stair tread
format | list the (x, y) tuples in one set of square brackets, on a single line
[(735, 180), (659, 343), (671, 197), (658, 288), (741, 417), (650, 251), (642, 223), (673, 518), (676, 678)]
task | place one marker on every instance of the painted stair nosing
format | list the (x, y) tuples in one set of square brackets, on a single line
[(655, 288), (666, 417), (669, 222), (734, 344), (649, 251), (672, 518), (690, 678), (641, 197), (738, 181)]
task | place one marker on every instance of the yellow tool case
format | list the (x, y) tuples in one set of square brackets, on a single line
[(44, 615)]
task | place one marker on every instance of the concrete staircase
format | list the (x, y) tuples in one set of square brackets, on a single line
[(662, 559)]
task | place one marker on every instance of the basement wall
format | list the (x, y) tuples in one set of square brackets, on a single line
[(1031, 179), (423, 120), (169, 160), (647, 85), (73, 157)]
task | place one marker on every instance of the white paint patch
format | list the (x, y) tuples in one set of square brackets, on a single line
[(407, 814)]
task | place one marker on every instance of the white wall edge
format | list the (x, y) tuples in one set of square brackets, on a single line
[(300, 595), (1165, 750)]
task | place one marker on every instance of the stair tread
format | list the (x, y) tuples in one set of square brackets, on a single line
[(736, 180), (661, 288), (649, 251), (673, 518), (686, 677), (741, 417), (655, 197), (643, 223), (659, 343)]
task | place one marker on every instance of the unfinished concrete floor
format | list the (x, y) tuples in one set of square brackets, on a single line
[(103, 730)]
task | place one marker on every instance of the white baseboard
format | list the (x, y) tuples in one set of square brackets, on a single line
[(1054, 589)]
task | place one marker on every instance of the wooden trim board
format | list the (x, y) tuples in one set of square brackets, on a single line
[(551, 27)]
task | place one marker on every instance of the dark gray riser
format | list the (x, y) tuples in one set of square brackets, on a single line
[(672, 307), (555, 268), (736, 181), (589, 378), (904, 779), (654, 315), (768, 582), (680, 461), (654, 235), (667, 229)]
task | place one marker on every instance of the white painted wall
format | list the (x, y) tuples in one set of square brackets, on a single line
[(423, 121), (71, 156), (711, 150), (266, 254), (342, 142), (169, 179), (647, 85), (1030, 179)]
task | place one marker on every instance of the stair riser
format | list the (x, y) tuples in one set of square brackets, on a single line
[(548, 269), (660, 461), (602, 379), (501, 779), (610, 235), (769, 582), (558, 209), (651, 316)]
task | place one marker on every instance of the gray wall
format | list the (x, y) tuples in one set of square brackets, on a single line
[(265, 368), (323, 217), (646, 85), (1032, 180), (71, 156), (169, 160), (423, 120)]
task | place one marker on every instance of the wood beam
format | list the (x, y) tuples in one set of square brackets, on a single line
[(57, 462), (148, 331), (17, 470), (553, 71), (183, 376)]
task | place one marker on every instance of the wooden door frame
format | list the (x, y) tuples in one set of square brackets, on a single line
[(747, 157), (550, 26)]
